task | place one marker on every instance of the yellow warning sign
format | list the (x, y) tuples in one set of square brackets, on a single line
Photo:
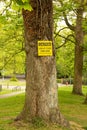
[(44, 48)]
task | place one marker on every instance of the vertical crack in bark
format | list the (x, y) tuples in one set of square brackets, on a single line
[(40, 3)]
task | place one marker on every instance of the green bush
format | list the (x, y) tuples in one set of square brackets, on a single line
[(84, 81), (65, 80), (58, 80), (14, 78)]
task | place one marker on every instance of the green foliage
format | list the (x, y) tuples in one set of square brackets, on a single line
[(65, 61), (13, 78), (85, 24), (64, 40), (59, 81), (2, 19), (67, 6), (21, 4), (67, 80), (12, 44), (65, 55), (70, 80)]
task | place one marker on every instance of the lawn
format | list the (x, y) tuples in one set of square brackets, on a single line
[(10, 108), (5, 91), (71, 107)]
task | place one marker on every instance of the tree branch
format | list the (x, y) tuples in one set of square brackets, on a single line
[(66, 39), (11, 58), (6, 7), (56, 34), (66, 20)]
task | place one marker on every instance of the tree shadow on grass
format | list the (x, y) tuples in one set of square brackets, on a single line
[(85, 128)]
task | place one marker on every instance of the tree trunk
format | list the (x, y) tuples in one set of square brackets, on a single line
[(78, 64), (41, 99)]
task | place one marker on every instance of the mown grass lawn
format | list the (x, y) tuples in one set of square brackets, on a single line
[(5, 91), (71, 107), (10, 108)]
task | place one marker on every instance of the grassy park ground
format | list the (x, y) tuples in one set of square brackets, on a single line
[(71, 107)]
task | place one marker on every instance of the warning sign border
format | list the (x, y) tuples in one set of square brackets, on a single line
[(42, 50)]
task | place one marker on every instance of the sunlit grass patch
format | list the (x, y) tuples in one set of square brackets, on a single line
[(5, 91), (10, 108), (72, 105)]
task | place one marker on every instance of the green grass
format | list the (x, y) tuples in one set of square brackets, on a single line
[(70, 105), (5, 91), (10, 108)]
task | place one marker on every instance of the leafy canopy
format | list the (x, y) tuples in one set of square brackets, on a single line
[(21, 4)]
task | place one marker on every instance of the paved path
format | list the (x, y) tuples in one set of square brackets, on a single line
[(23, 90), (11, 94)]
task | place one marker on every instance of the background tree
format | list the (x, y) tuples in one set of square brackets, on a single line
[(75, 11), (78, 66), (12, 60)]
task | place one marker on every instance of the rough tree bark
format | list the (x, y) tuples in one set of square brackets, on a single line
[(78, 63), (41, 99)]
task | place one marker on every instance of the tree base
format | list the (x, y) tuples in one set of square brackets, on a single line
[(55, 118), (77, 93)]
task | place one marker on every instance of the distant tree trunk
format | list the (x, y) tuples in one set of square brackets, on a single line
[(78, 64), (41, 98), (79, 36)]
